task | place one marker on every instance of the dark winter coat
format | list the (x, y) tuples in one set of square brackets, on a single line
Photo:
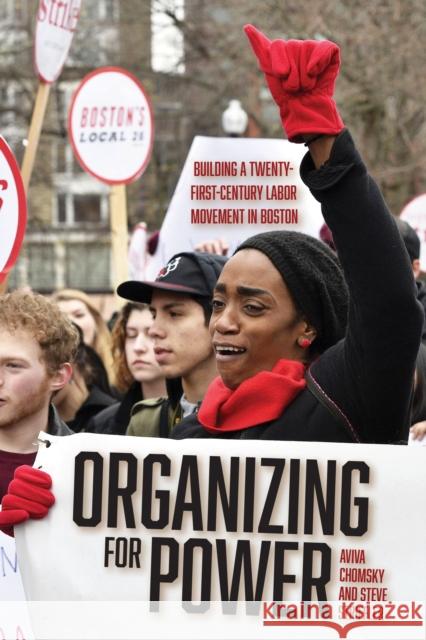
[(55, 425), (421, 297), (115, 419), (96, 401)]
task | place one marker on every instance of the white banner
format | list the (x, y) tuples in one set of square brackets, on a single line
[(14, 620), (233, 188), (10, 579), (194, 521)]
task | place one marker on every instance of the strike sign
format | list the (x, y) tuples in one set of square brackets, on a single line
[(13, 209), (110, 125), (56, 23)]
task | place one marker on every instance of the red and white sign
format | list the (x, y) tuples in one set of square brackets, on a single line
[(255, 179), (415, 214), (55, 26), (13, 209), (111, 126)]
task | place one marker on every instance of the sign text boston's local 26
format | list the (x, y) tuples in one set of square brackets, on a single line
[(181, 522), (111, 125)]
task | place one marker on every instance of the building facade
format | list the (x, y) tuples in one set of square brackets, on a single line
[(67, 243)]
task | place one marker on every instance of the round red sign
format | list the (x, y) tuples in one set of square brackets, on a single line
[(13, 209), (110, 125)]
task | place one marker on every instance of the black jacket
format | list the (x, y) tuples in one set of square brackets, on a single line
[(421, 297), (368, 377), (96, 401), (55, 425), (115, 419)]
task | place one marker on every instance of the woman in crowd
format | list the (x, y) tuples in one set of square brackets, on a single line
[(137, 374), (298, 358), (78, 306)]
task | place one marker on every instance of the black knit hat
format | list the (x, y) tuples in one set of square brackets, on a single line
[(314, 278)]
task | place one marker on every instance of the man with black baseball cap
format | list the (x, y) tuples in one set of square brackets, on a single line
[(180, 301)]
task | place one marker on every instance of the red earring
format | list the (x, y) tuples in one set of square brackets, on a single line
[(305, 343)]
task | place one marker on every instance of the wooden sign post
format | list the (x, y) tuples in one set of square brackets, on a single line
[(34, 132), (112, 140), (53, 38), (119, 235)]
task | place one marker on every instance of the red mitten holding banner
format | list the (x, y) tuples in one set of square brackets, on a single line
[(10, 517), (28, 496), (301, 75)]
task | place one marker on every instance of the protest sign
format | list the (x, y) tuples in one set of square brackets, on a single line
[(55, 27), (13, 210), (415, 214), (278, 522), (138, 254), (233, 188), (12, 594), (110, 125), (10, 579)]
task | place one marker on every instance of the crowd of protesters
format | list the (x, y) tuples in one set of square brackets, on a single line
[(288, 339)]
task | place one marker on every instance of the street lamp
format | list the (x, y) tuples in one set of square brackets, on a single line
[(234, 119)]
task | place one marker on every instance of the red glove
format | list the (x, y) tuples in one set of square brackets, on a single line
[(28, 496), (301, 76)]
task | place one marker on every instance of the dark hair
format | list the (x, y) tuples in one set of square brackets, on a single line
[(419, 398), (206, 304), (90, 366), (410, 238)]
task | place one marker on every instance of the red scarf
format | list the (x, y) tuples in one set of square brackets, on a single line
[(256, 400)]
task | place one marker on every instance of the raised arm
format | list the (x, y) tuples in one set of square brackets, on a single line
[(370, 374)]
